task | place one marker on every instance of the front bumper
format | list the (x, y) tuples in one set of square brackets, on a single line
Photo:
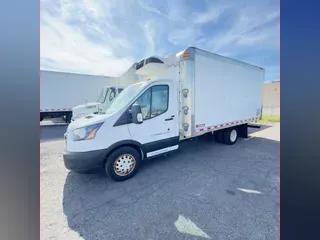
[(84, 161)]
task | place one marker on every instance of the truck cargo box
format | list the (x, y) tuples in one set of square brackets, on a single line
[(221, 91)]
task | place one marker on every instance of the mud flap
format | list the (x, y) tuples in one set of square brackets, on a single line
[(243, 131)]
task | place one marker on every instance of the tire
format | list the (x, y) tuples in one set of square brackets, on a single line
[(230, 136), (123, 155), (219, 136)]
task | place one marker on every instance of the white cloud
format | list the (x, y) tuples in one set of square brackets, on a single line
[(97, 37), (150, 34), (213, 12), (147, 7), (207, 17), (183, 36), (106, 37), (66, 48), (243, 25), (248, 29)]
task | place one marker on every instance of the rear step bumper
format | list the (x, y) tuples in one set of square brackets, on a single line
[(254, 126)]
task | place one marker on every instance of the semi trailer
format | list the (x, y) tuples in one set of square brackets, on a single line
[(188, 94), (60, 92), (107, 94)]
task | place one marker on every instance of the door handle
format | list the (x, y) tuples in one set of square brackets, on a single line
[(169, 119)]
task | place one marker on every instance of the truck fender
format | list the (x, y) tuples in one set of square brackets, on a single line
[(129, 143)]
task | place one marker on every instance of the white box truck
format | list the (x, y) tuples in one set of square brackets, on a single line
[(60, 92), (107, 94), (190, 94)]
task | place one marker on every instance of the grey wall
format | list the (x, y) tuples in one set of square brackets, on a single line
[(271, 99)]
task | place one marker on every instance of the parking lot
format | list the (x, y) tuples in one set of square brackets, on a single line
[(206, 190)]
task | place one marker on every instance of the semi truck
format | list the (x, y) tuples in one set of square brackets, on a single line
[(107, 94), (103, 101), (61, 91), (189, 94)]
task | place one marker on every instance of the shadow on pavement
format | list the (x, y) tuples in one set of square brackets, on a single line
[(52, 132), (194, 183), (262, 127)]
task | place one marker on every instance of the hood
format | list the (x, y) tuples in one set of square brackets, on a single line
[(85, 109), (87, 120), (88, 105)]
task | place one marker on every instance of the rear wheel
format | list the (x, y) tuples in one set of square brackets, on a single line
[(230, 136), (123, 163)]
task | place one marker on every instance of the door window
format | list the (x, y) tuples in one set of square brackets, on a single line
[(145, 103), (112, 94), (154, 101), (160, 97)]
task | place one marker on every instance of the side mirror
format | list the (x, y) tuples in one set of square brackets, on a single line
[(136, 114)]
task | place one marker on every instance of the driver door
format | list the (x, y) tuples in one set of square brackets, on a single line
[(158, 133)]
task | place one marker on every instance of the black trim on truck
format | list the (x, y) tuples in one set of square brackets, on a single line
[(83, 162), (160, 144), (145, 148), (126, 117), (153, 60), (148, 60), (123, 143), (140, 64)]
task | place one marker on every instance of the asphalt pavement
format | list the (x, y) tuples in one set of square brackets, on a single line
[(52, 130), (205, 190)]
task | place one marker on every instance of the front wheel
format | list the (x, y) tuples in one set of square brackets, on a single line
[(123, 163)]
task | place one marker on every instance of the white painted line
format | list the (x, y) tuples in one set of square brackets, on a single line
[(186, 226), (249, 191)]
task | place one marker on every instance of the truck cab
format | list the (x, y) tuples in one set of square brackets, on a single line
[(140, 123), (104, 100)]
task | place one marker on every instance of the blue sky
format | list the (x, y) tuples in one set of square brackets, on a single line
[(107, 36)]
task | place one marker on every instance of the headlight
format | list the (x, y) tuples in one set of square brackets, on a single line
[(86, 133)]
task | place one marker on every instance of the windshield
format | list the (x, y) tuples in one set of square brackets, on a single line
[(125, 97), (102, 95)]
